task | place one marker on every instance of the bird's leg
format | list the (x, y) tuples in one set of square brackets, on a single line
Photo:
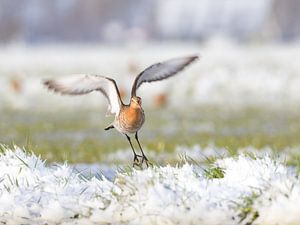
[(109, 127), (135, 158), (144, 158)]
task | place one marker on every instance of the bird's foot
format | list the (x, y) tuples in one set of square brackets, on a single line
[(136, 161), (139, 162), (145, 159)]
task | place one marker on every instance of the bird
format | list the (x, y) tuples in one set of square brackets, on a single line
[(129, 118)]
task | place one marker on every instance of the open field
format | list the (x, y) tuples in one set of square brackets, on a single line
[(246, 97), (79, 136), (224, 138)]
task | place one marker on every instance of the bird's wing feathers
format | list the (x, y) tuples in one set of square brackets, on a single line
[(83, 84), (160, 71)]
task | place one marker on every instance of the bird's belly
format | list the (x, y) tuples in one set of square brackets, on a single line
[(129, 123)]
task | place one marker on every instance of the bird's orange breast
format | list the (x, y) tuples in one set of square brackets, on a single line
[(130, 119), (133, 116)]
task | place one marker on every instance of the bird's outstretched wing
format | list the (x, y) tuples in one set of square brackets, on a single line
[(83, 84), (160, 71)]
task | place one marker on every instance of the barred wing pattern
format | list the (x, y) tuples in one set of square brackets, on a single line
[(160, 71), (83, 84)]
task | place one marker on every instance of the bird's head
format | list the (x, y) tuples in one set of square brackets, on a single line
[(136, 102)]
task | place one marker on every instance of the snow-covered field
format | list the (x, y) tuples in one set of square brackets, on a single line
[(239, 190)]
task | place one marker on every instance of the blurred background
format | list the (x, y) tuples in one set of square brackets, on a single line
[(244, 91), (92, 21)]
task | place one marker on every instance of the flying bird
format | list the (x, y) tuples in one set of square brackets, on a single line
[(128, 118)]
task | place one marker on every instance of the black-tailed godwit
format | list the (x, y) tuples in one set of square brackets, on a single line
[(128, 118)]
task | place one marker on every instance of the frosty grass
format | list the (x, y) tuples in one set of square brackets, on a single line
[(241, 190)]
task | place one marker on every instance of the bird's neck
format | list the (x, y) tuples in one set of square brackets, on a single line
[(135, 106)]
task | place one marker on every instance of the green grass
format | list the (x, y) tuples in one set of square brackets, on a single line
[(214, 172), (79, 136), (246, 209)]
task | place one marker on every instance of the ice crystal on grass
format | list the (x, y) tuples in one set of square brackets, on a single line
[(232, 190)]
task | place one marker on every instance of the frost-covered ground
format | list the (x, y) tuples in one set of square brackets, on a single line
[(232, 190), (229, 156)]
